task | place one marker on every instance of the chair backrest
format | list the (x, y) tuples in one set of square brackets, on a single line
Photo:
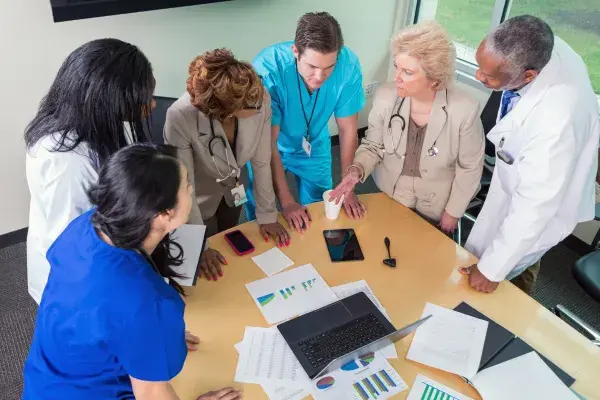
[(158, 117), (587, 274)]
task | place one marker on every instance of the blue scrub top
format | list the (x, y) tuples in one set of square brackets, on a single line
[(341, 95), (105, 315)]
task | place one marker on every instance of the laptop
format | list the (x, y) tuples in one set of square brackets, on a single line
[(325, 339)]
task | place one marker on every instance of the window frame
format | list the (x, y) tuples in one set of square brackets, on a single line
[(465, 70)]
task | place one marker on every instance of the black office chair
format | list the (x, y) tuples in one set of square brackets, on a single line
[(158, 117), (475, 205), (587, 274)]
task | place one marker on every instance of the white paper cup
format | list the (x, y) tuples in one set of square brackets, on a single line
[(332, 210)]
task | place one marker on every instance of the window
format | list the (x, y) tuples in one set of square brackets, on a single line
[(468, 21)]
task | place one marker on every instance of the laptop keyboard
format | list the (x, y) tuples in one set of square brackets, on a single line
[(321, 349)]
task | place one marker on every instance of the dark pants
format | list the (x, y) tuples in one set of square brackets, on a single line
[(526, 280), (225, 218)]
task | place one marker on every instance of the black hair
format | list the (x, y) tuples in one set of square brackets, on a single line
[(100, 86), (319, 32), (134, 185)]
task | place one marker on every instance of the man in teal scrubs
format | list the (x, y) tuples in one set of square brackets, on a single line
[(310, 79)]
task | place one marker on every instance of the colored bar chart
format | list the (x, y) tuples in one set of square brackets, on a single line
[(266, 299), (377, 385), (308, 284), (433, 393), (387, 378), (287, 292)]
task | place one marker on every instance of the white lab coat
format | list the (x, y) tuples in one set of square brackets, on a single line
[(552, 134), (57, 183)]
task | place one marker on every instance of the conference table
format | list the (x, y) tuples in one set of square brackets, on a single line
[(427, 271)]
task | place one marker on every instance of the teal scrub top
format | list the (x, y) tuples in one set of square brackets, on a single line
[(341, 95)]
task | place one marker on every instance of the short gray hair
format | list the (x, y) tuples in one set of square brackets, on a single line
[(524, 43)]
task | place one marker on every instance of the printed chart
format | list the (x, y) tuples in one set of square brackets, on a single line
[(378, 385), (361, 362), (428, 389), (369, 377), (433, 393), (290, 293), (325, 383)]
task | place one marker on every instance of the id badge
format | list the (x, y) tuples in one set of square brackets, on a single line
[(504, 156), (306, 146), (239, 195)]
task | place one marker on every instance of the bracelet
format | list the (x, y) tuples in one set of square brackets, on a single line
[(361, 171)]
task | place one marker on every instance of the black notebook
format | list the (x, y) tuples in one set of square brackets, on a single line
[(502, 345)]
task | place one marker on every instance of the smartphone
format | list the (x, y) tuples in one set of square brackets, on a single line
[(239, 242)]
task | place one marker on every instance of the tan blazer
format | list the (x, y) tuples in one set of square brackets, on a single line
[(188, 129), (452, 176)]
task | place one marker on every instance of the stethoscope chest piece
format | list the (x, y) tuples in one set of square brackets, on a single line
[(433, 151)]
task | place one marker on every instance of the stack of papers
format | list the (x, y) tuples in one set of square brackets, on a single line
[(290, 293), (266, 359), (450, 341)]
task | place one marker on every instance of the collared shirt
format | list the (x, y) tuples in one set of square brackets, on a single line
[(414, 145), (341, 95), (513, 102)]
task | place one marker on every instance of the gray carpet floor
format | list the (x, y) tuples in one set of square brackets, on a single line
[(17, 310)]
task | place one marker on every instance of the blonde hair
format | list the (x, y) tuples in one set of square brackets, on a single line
[(220, 85), (429, 42)]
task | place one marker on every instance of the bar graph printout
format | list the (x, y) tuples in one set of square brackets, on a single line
[(370, 377), (290, 293)]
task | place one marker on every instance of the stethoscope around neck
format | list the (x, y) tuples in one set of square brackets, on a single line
[(233, 170), (431, 152)]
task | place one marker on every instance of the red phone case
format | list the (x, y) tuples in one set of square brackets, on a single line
[(239, 253)]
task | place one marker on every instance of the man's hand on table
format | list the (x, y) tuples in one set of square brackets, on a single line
[(478, 281), (297, 216)]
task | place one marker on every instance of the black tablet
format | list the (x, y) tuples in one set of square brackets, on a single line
[(342, 245)]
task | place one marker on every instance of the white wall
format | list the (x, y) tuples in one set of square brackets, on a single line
[(32, 48)]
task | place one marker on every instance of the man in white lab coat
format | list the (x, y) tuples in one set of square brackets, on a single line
[(546, 138)]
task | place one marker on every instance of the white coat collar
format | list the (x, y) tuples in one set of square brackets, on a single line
[(531, 95)]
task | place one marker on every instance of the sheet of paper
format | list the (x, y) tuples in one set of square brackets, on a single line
[(369, 377), (449, 341), (277, 391), (427, 389), (191, 239), (266, 357), (272, 261), (348, 289), (290, 293), (522, 378)]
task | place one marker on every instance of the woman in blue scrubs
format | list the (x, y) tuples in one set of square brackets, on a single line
[(110, 324)]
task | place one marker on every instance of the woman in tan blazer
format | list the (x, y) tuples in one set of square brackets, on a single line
[(221, 123), (425, 142)]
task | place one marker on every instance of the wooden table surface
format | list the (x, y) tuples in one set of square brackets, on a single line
[(218, 312)]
